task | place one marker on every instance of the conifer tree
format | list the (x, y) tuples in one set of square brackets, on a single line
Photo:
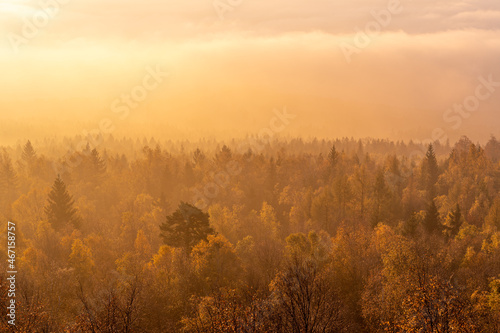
[(198, 157), (8, 175), (97, 164), (381, 196), (430, 172), (453, 221), (186, 227), (29, 153), (431, 221), (224, 156), (60, 206), (8, 182), (333, 156)]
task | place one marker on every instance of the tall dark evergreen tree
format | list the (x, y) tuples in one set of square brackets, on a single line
[(186, 227), (454, 221), (224, 156), (8, 177), (29, 153), (492, 149), (198, 157), (8, 182), (432, 222), (333, 156), (97, 164), (381, 197), (189, 175), (430, 172), (60, 206)]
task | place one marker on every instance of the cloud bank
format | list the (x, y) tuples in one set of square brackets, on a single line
[(228, 72)]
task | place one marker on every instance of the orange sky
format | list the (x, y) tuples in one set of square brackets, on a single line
[(66, 64)]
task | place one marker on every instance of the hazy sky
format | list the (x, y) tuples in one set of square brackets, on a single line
[(66, 65)]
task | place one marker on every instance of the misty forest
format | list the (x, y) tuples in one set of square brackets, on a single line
[(284, 236)]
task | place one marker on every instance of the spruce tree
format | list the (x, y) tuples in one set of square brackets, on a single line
[(29, 153), (8, 177), (198, 157), (8, 183), (431, 221), (60, 206), (430, 172), (382, 195), (29, 158), (454, 221), (333, 156), (97, 165)]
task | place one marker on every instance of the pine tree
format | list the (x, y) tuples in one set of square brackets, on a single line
[(492, 149), (431, 221), (360, 151), (8, 182), (381, 197), (186, 227), (189, 175), (59, 208), (198, 157), (29, 153), (97, 164), (361, 178), (493, 217), (453, 221), (8, 179), (224, 156), (430, 172), (333, 156)]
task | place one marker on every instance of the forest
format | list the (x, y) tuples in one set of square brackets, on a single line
[(290, 235)]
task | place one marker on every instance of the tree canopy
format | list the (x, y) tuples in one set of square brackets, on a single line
[(186, 227), (60, 208)]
